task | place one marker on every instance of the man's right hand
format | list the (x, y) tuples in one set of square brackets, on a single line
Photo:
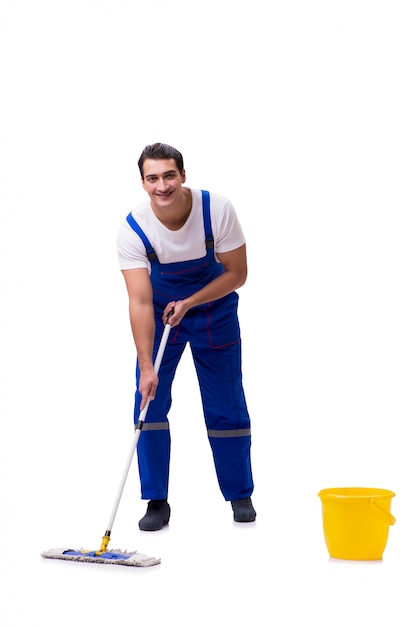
[(148, 381)]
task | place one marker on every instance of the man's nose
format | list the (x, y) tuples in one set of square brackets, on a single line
[(161, 184)]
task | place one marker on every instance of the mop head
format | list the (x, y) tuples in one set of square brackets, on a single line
[(116, 557)]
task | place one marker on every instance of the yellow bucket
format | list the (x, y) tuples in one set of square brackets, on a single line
[(356, 522)]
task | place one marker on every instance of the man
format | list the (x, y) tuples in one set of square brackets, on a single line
[(182, 253)]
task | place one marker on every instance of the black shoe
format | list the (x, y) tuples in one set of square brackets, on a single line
[(243, 510), (157, 515)]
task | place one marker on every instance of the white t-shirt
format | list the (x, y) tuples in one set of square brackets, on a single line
[(185, 244)]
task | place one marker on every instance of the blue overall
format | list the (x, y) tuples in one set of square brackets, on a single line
[(213, 332)]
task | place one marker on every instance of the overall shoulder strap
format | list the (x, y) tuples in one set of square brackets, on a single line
[(206, 220), (148, 247)]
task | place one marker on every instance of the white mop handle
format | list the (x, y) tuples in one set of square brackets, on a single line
[(141, 418)]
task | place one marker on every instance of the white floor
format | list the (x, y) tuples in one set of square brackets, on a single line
[(306, 118), (60, 489)]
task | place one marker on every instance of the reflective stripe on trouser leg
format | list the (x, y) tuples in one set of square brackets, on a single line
[(226, 416)]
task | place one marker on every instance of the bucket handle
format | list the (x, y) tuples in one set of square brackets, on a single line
[(389, 517)]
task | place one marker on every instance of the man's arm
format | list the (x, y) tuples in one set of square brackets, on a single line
[(235, 275), (141, 314)]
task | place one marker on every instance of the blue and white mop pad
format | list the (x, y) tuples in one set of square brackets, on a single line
[(115, 557)]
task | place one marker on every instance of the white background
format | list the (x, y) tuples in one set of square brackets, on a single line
[(304, 114)]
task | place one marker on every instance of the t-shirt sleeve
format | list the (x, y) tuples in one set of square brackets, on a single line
[(130, 249), (229, 234)]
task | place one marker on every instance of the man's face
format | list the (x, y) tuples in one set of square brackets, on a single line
[(163, 182)]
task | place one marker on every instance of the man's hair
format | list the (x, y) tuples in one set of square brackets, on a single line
[(160, 151)]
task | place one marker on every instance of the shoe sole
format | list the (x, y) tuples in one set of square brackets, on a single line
[(165, 522), (244, 521)]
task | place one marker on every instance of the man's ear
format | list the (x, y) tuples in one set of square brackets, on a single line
[(183, 176)]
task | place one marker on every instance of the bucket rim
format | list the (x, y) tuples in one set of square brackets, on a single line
[(360, 493)]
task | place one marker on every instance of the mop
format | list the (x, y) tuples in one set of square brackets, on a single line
[(116, 557)]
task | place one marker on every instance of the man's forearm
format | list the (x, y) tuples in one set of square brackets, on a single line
[(143, 331), (217, 288)]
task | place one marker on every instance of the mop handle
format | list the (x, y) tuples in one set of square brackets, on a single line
[(141, 419)]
